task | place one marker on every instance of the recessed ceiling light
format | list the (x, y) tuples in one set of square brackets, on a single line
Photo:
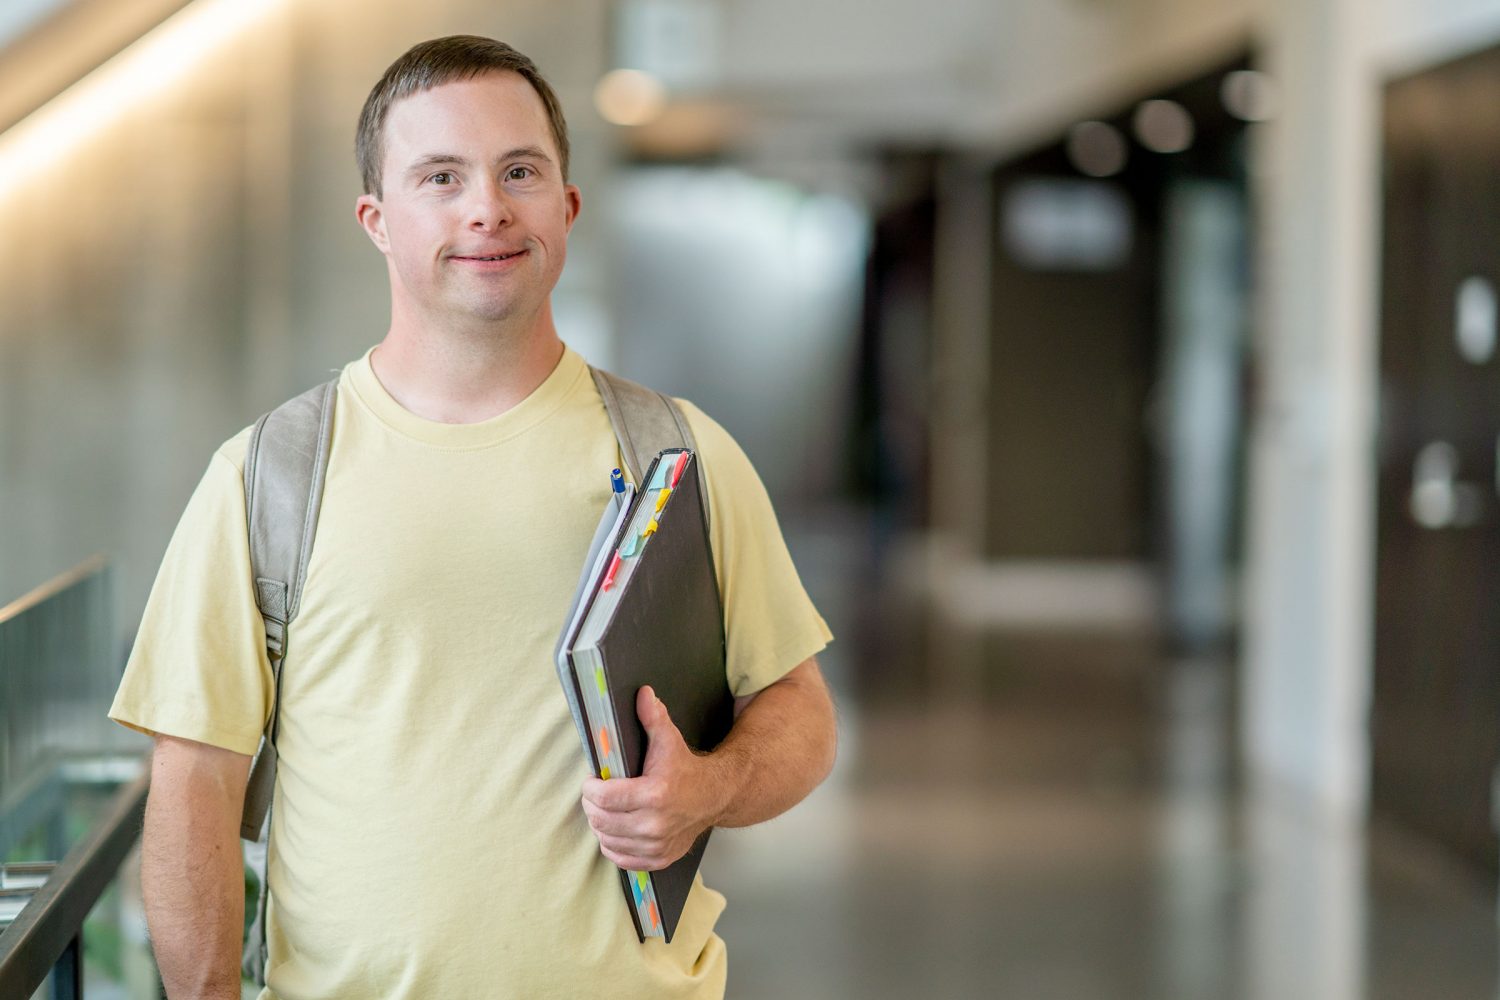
[(1249, 95), (1097, 149), (1163, 126)]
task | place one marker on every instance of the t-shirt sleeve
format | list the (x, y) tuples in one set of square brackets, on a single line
[(770, 623), (199, 669)]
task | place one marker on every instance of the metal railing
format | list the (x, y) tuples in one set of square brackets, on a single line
[(47, 936), (59, 754)]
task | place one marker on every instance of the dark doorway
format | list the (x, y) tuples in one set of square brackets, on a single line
[(1119, 324), (1436, 714)]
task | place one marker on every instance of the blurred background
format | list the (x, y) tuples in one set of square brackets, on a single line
[(1123, 372)]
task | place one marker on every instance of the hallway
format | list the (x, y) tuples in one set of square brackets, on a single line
[(1072, 829)]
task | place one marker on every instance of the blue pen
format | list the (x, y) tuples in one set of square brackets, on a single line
[(617, 483)]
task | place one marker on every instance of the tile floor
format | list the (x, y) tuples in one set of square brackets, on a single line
[(1040, 817)]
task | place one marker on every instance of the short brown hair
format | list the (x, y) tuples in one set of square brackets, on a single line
[(432, 64)]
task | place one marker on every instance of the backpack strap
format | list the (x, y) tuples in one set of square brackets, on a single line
[(645, 421), (285, 466)]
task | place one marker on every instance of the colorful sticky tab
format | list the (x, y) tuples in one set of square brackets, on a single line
[(677, 469), (604, 741), (604, 773), (650, 528), (640, 878), (637, 890), (632, 548), (599, 680), (609, 574), (654, 920), (661, 498), (660, 476)]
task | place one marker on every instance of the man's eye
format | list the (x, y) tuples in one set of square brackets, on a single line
[(519, 173), (443, 177)]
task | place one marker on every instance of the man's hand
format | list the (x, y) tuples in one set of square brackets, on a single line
[(646, 823)]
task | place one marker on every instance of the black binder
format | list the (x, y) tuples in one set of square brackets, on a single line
[(666, 630)]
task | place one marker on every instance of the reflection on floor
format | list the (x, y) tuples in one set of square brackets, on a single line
[(1056, 817)]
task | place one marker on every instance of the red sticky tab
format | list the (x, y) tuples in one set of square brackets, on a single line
[(677, 469), (609, 574)]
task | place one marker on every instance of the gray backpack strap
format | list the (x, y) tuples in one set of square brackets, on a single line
[(284, 470), (645, 422), (285, 466)]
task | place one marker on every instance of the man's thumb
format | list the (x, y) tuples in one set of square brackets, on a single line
[(651, 710)]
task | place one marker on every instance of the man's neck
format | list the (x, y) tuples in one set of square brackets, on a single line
[(456, 378)]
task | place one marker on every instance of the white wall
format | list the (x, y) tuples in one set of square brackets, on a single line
[(1410, 34), (172, 267)]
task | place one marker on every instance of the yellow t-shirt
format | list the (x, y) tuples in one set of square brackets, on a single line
[(427, 837)]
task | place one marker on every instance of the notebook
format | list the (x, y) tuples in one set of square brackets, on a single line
[(648, 613)]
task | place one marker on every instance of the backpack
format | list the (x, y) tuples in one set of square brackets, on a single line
[(285, 467)]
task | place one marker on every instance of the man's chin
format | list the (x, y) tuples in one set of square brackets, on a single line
[(491, 311)]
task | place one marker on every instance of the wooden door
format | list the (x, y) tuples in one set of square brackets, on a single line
[(1436, 713)]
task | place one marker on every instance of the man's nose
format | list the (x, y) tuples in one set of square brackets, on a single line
[(489, 207)]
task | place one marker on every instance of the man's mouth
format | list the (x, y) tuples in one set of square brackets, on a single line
[(500, 256)]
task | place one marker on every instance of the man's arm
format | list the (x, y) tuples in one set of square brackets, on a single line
[(780, 748), (192, 872)]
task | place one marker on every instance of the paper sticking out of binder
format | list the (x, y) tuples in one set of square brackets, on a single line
[(647, 612)]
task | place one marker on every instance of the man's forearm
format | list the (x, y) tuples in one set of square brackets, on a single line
[(192, 877), (781, 747)]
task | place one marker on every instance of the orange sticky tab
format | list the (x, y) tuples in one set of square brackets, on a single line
[(604, 741), (654, 921)]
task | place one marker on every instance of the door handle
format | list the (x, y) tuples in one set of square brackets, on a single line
[(1439, 499)]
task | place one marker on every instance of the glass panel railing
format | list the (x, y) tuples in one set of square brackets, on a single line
[(72, 793), (58, 675)]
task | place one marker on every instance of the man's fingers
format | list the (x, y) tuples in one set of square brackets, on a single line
[(640, 847), (621, 794), (631, 862), (641, 823), (637, 860), (602, 821)]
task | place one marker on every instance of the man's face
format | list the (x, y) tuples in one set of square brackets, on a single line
[(474, 215)]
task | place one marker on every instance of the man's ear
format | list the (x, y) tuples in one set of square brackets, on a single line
[(371, 218), (574, 201)]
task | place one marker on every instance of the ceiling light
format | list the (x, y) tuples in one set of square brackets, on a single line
[(1163, 126), (151, 66), (1097, 149), (1249, 95), (630, 97)]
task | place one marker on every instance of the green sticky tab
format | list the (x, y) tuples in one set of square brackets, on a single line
[(640, 878), (599, 679)]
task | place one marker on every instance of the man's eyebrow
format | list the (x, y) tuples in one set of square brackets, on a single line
[(436, 160), (446, 159), (527, 153)]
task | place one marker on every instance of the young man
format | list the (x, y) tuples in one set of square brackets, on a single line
[(434, 834)]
